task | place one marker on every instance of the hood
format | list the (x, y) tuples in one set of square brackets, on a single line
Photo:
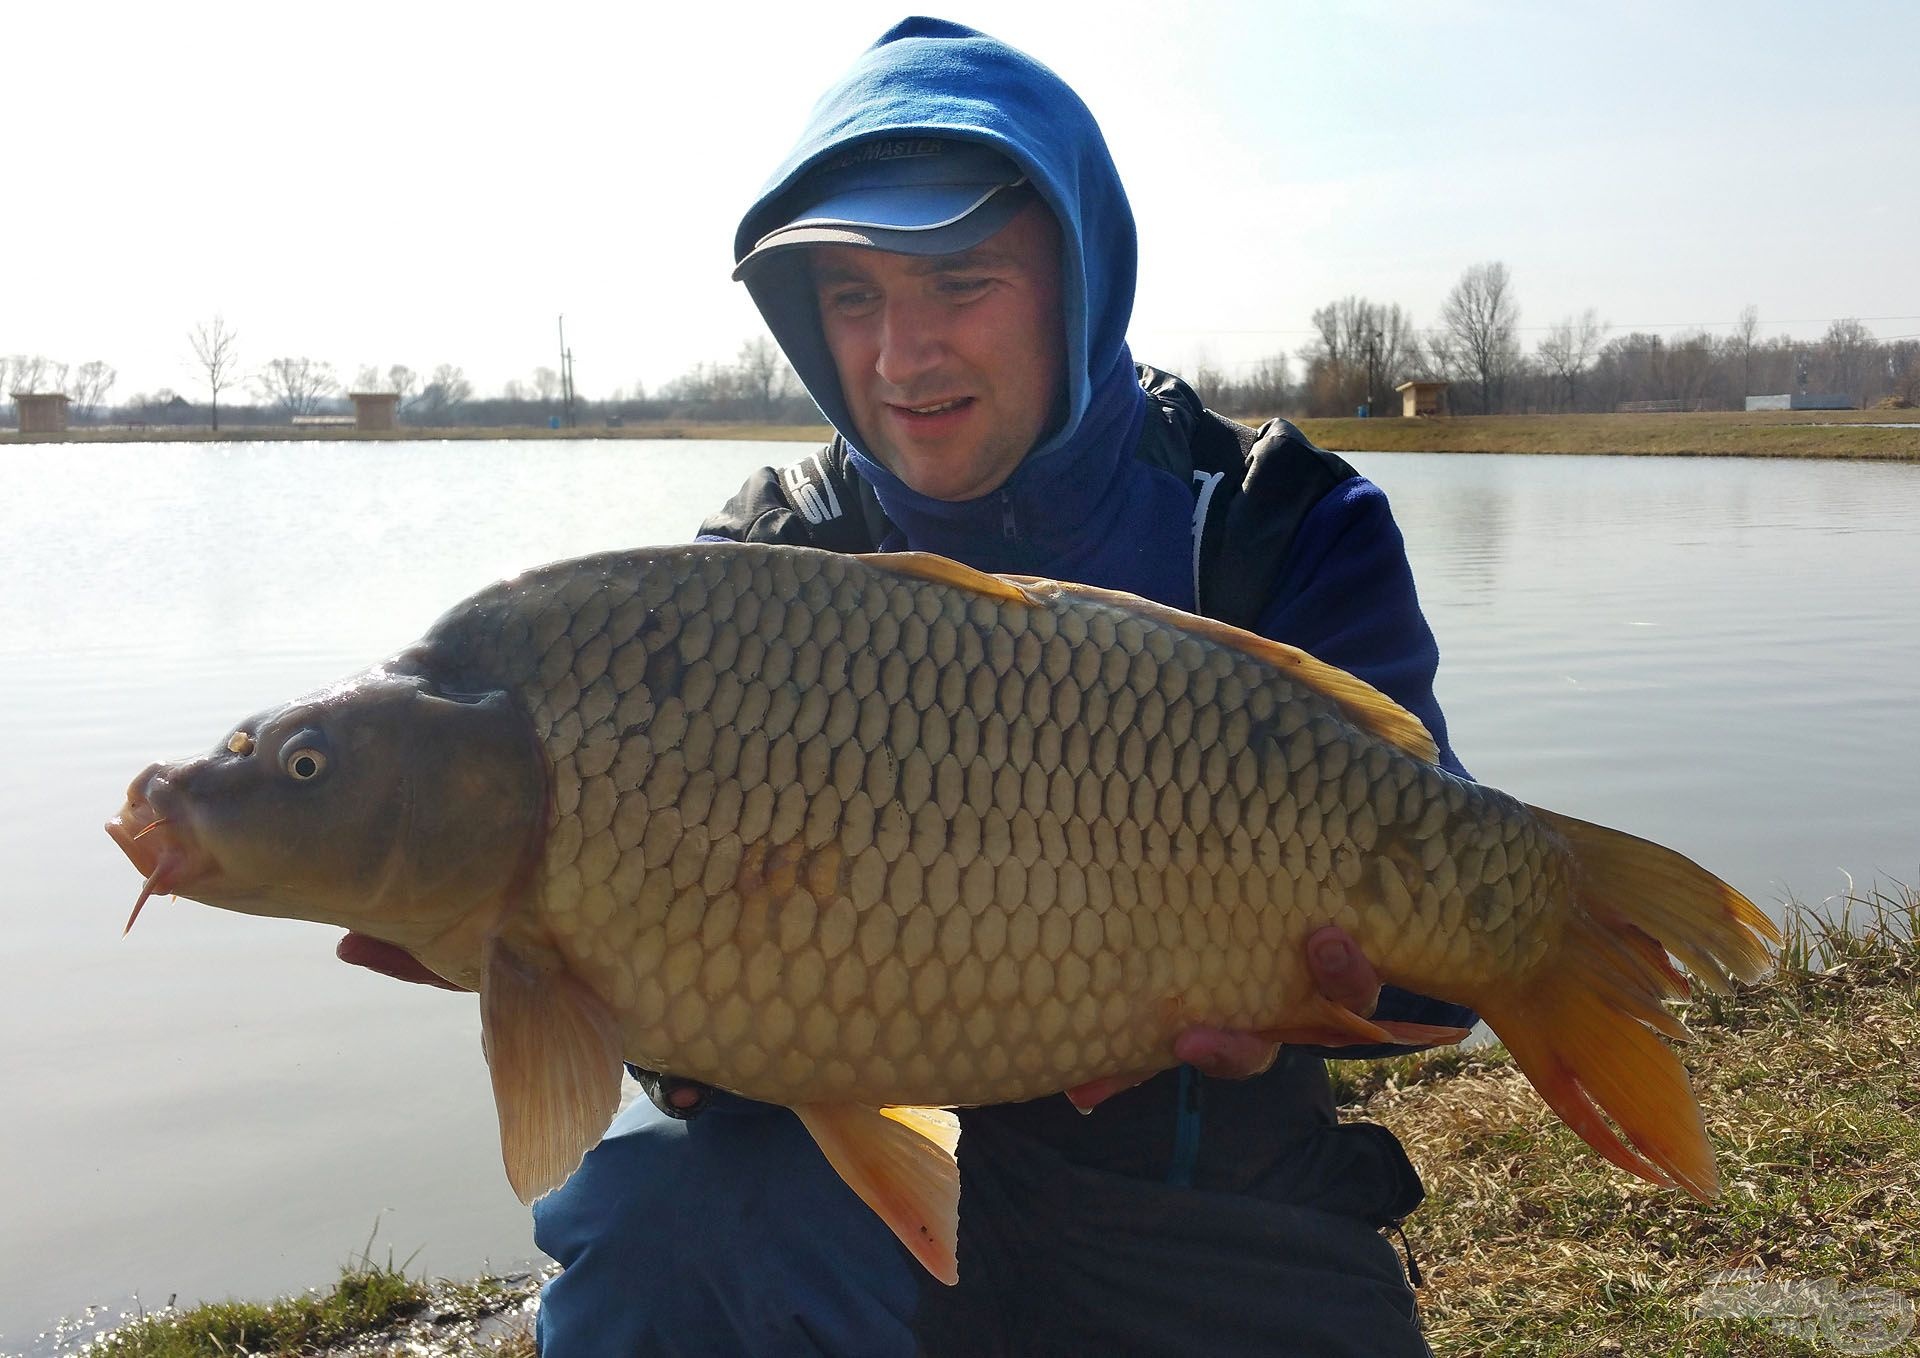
[(931, 77)]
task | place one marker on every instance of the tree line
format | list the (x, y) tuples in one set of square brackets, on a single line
[(758, 386), (1362, 349), (1359, 352)]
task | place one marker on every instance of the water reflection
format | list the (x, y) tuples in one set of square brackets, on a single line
[(1718, 654)]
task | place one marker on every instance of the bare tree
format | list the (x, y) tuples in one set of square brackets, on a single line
[(546, 383), (1845, 352), (1906, 379), (765, 377), (403, 382), (1267, 387), (217, 350), (1746, 338), (89, 386), (398, 379), (1437, 359), (296, 385), (25, 372), (1569, 347), (1209, 383), (1358, 345), (704, 384), (1481, 315), (1689, 367), (446, 391)]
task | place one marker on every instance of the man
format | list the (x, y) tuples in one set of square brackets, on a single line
[(947, 258)]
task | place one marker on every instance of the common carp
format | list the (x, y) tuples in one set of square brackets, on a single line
[(877, 836)]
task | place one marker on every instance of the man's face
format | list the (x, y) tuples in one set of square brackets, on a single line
[(951, 365)]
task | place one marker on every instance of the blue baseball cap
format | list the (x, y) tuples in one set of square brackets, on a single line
[(908, 195)]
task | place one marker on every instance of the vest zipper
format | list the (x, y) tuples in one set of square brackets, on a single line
[(1008, 528), (1186, 1129)]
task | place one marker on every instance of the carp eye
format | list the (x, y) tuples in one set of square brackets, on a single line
[(305, 763), (239, 743)]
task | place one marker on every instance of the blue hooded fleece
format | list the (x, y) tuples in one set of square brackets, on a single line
[(929, 77)]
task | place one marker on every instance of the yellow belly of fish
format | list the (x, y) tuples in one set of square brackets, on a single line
[(823, 832)]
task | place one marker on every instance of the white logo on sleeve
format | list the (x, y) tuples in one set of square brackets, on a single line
[(1208, 483), (815, 499)]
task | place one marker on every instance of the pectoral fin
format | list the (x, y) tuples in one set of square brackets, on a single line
[(555, 1056), (900, 1161), (1326, 1024)]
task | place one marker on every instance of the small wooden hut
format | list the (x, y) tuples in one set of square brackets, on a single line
[(375, 411), (1422, 398), (41, 412)]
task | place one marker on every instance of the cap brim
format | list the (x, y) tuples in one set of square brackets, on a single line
[(928, 219)]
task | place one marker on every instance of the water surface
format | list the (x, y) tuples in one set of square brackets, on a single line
[(1719, 654)]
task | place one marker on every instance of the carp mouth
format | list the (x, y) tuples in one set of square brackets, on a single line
[(164, 849)]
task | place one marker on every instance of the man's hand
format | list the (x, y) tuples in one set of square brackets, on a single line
[(388, 960), (675, 1097), (1342, 974)]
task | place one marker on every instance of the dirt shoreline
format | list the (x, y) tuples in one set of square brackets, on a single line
[(1889, 435)]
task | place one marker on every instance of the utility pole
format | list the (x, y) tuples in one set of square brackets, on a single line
[(1373, 353), (566, 372)]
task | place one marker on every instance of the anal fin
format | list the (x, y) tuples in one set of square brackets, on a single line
[(900, 1161), (554, 1053)]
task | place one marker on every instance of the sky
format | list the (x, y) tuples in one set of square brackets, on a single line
[(437, 183)]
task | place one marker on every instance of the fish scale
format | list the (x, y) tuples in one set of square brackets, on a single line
[(893, 801), (856, 834)]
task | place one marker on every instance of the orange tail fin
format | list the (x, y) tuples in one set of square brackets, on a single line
[(1579, 1025)]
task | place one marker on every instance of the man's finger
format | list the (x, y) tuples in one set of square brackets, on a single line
[(1093, 1093), (1341, 971), (371, 953), (1223, 1054)]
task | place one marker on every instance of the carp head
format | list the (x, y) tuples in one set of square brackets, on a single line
[(382, 804)]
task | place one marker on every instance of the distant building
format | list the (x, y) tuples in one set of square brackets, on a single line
[(1422, 398), (1789, 401), (42, 412), (375, 411)]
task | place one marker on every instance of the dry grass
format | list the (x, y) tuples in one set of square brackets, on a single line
[(1796, 433), (1786, 433), (1532, 1245)]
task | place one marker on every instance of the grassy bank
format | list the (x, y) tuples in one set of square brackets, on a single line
[(1534, 1246), (1796, 433), (1802, 433), (375, 1309), (1530, 1244)]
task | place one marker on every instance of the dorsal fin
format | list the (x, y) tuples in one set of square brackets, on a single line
[(1363, 704), (941, 570)]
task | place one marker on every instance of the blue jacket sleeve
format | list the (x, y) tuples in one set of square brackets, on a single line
[(1346, 596)]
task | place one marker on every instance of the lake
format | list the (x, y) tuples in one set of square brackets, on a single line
[(1720, 654)]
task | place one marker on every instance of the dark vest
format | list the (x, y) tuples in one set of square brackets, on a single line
[(1275, 1136), (1252, 489)]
